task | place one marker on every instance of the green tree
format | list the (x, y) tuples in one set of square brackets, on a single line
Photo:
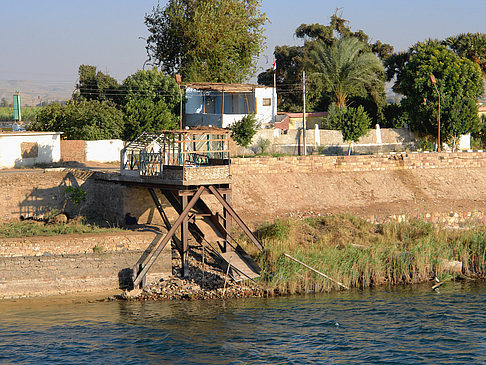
[(243, 130), (81, 119), (459, 82), (346, 69), (213, 41), (291, 61), (95, 85), (151, 102), (352, 122), (471, 46)]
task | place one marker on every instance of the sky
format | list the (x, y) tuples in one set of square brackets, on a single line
[(47, 40)]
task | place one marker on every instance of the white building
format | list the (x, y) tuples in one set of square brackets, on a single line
[(19, 149), (220, 104)]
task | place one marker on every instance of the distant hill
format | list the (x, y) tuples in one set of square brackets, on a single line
[(36, 92)]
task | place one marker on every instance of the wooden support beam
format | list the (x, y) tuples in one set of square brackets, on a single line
[(164, 218), (184, 237), (168, 236), (192, 191), (227, 222), (177, 204), (216, 225), (235, 216)]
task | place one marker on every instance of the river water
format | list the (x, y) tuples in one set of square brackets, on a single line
[(404, 325)]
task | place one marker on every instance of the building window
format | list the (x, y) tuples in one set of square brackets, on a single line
[(209, 104), (267, 101)]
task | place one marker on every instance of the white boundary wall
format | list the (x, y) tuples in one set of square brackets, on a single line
[(107, 150), (19, 149)]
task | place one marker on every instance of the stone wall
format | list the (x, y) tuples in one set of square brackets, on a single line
[(378, 162), (35, 194), (75, 263), (331, 141)]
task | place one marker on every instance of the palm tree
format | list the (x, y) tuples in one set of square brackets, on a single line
[(346, 68)]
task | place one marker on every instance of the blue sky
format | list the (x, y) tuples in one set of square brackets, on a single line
[(47, 40)]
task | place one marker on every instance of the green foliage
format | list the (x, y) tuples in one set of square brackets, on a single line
[(76, 194), (243, 130), (151, 102), (278, 230), (263, 144), (33, 228), (81, 119), (28, 113), (95, 85), (216, 40), (346, 68), (394, 116), (471, 46), (353, 122), (459, 82), (361, 254), (291, 61)]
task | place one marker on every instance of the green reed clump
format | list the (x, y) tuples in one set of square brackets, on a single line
[(361, 254)]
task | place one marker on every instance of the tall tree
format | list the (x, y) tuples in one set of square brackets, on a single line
[(95, 85), (211, 40), (151, 102), (471, 46), (459, 83), (291, 61), (346, 68)]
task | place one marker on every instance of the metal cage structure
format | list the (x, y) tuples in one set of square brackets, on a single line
[(182, 155)]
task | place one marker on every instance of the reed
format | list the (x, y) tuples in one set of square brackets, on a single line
[(361, 254)]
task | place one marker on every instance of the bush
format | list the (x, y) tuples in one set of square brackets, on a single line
[(243, 130), (81, 119), (395, 116), (353, 122)]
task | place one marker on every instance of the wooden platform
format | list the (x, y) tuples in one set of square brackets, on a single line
[(242, 265)]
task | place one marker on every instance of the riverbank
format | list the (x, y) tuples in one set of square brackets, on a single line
[(361, 254), (348, 249)]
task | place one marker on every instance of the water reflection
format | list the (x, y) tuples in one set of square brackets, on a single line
[(400, 325)]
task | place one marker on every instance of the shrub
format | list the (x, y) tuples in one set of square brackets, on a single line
[(243, 130)]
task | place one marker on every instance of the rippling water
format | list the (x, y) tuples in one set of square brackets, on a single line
[(410, 325)]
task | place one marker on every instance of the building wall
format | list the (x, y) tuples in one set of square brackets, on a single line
[(330, 141), (234, 108), (264, 113), (96, 151), (18, 149), (104, 150)]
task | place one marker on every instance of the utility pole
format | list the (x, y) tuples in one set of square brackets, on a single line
[(274, 104), (304, 125), (434, 82)]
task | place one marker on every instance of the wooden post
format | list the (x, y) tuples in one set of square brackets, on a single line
[(227, 223), (222, 109), (184, 238)]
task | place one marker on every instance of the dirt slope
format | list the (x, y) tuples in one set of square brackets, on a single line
[(379, 193)]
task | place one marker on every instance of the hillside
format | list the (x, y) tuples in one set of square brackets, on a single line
[(35, 92)]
